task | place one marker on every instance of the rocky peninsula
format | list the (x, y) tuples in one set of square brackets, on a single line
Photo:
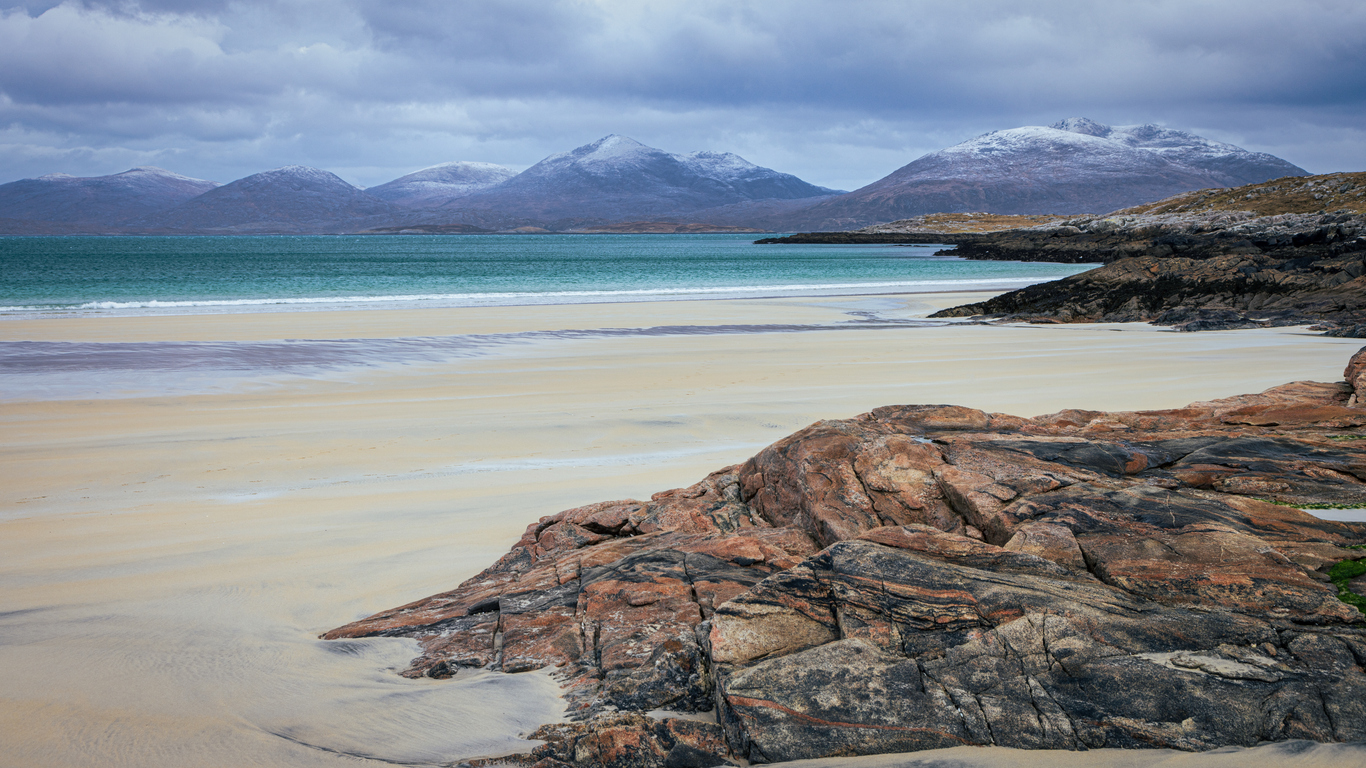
[(1210, 271), (930, 575), (1286, 252)]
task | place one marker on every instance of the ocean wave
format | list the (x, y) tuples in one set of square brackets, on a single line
[(541, 296)]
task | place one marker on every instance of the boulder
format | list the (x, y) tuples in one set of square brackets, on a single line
[(1355, 374)]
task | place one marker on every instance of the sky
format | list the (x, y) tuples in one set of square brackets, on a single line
[(838, 93)]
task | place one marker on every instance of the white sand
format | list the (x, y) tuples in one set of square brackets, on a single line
[(167, 560)]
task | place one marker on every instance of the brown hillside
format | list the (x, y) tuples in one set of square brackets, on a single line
[(956, 223), (1292, 194)]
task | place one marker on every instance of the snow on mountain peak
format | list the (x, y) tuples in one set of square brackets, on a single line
[(153, 174), (301, 173), (615, 153), (1082, 125), (442, 183), (463, 165), (1013, 141), (1121, 145), (616, 142), (147, 170), (296, 170), (143, 176), (719, 165), (612, 149), (456, 174)]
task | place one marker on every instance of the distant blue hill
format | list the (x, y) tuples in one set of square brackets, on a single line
[(95, 203), (292, 199)]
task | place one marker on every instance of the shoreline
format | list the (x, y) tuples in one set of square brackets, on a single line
[(289, 306), (190, 546), (411, 322)]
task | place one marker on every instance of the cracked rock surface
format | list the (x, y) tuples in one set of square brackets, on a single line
[(929, 576)]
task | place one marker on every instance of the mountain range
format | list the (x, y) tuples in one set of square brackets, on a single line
[(1074, 166)]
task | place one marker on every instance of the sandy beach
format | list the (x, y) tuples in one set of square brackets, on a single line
[(181, 516)]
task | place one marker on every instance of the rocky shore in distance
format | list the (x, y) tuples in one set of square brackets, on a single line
[(1286, 252), (927, 576), (931, 228), (1208, 271)]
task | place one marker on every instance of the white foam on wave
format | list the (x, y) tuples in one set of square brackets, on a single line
[(552, 297)]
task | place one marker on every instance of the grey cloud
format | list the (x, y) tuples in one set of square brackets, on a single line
[(517, 31), (837, 93)]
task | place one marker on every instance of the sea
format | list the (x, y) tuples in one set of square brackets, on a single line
[(166, 275)]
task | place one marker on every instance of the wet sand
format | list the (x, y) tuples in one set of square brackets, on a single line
[(177, 526)]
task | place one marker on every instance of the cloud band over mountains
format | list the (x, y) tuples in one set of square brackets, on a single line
[(835, 93)]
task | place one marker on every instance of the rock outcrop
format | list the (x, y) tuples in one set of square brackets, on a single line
[(1208, 271), (929, 576)]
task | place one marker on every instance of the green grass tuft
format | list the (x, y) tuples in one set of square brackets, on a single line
[(1344, 572), (1314, 505)]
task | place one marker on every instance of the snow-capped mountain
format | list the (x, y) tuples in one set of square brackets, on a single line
[(617, 178), (292, 199), (1073, 166), (97, 202), (441, 183)]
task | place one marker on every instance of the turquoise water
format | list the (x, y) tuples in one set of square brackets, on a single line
[(159, 274)]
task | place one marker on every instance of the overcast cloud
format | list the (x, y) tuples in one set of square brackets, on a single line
[(839, 93)]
